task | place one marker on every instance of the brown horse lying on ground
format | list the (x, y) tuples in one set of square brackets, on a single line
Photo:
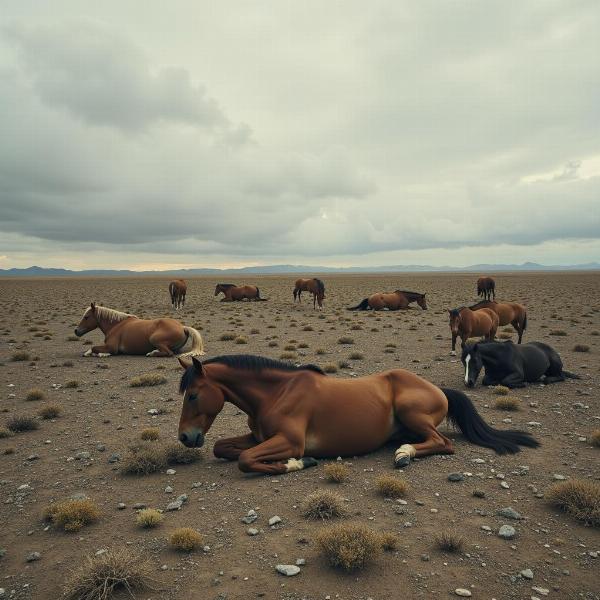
[(508, 312), (486, 287), (234, 293), (126, 334), (400, 299), (315, 286), (297, 413), (467, 323), (177, 291)]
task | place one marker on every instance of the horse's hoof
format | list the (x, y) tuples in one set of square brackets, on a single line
[(453, 353), (309, 461), (87, 353), (402, 461)]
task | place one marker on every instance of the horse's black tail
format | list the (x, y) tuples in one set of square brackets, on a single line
[(464, 415), (258, 296), (320, 287), (362, 306), (570, 375)]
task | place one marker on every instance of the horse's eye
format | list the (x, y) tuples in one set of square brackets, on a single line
[(192, 397)]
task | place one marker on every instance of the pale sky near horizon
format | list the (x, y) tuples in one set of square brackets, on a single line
[(186, 134)]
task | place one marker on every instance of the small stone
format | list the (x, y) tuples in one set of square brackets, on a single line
[(83, 456), (250, 517), (274, 520), (113, 458), (33, 556), (300, 562), (540, 590), (509, 513), (252, 531), (507, 532), (168, 490), (464, 593), (288, 570), (486, 528), (121, 506), (558, 477), (504, 484), (171, 471), (140, 506), (455, 477), (527, 573), (176, 505)]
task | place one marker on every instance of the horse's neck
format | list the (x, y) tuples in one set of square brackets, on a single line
[(106, 325)]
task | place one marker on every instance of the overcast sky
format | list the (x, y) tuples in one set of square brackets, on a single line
[(150, 134)]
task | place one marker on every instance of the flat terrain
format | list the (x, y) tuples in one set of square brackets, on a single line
[(104, 416)]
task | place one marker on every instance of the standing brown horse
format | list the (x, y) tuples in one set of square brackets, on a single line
[(508, 312), (126, 334), (177, 291), (400, 299), (297, 413), (234, 293), (467, 323), (486, 287), (315, 286)]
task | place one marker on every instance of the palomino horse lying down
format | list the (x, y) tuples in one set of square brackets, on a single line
[(126, 334), (398, 300), (298, 413), (513, 366)]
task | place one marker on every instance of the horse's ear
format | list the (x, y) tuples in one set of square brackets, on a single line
[(184, 363), (93, 306), (197, 366)]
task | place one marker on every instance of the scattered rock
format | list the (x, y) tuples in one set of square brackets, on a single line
[(274, 520), (464, 593), (509, 513), (33, 556), (252, 531), (288, 570), (250, 517), (507, 532), (527, 573), (455, 477)]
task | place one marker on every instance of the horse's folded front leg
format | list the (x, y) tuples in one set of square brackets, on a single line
[(275, 456), (231, 448), (99, 351)]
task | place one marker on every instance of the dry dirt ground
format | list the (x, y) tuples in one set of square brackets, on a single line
[(104, 415)]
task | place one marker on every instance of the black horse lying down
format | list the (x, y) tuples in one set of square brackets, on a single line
[(513, 366)]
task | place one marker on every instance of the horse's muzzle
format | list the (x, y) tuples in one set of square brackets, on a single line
[(79, 333), (192, 438)]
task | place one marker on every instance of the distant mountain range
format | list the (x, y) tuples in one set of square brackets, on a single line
[(291, 269)]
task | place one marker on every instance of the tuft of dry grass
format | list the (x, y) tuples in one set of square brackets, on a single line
[(288, 355), (336, 472), (227, 337), (389, 541), (72, 515), (73, 383), (390, 486), (241, 339), (20, 423), (178, 454), (9, 450), (308, 328), (449, 541), (149, 518), (581, 348), (356, 356), (501, 390), (35, 394), (50, 411), (5, 433), (20, 356), (579, 498), (346, 339), (324, 504), (509, 403), (101, 577), (349, 546), (150, 433), (148, 458), (320, 351), (558, 332), (185, 539), (595, 438), (148, 380), (330, 368)]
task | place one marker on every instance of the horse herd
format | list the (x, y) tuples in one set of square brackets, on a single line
[(296, 413)]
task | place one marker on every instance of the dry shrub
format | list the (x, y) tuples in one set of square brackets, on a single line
[(148, 518), (100, 577), (320, 351), (241, 339), (356, 356), (288, 355), (72, 515), (389, 541), (50, 411), (324, 505), (20, 423), (330, 368), (302, 345), (391, 486), (148, 380), (72, 338), (308, 328), (254, 331), (73, 383), (581, 348), (148, 458), (595, 438), (349, 546), (290, 347), (5, 433), (501, 390), (185, 539), (178, 454), (336, 472), (150, 433), (510, 403), (9, 450), (344, 364), (273, 344), (505, 336), (558, 332), (346, 339), (449, 541), (227, 337), (579, 498), (35, 394), (20, 356)]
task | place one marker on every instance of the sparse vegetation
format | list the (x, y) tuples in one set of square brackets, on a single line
[(390, 486), (20, 423), (5, 433), (320, 351), (581, 348), (50, 411), (356, 356), (330, 368), (241, 339), (558, 332), (185, 539), (72, 515), (73, 383), (594, 438), (178, 454), (20, 356), (579, 498), (35, 394), (288, 355), (449, 541), (324, 504), (149, 458), (150, 433), (336, 472), (149, 518), (227, 337), (509, 403), (349, 546), (389, 541), (501, 390), (148, 380), (346, 339)]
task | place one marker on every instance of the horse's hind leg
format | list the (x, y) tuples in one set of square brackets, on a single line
[(434, 442), (231, 448)]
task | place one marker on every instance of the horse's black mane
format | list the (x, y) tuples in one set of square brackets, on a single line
[(456, 311), (411, 293), (320, 285), (226, 285), (249, 362), (482, 302)]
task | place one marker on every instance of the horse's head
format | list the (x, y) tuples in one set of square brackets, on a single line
[(203, 400), (422, 302), (89, 322), (218, 289), (454, 320), (473, 363)]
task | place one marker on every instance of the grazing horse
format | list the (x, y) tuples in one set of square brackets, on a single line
[(513, 366), (400, 299), (234, 293), (467, 323), (315, 286), (298, 413), (486, 288), (177, 291), (508, 312), (126, 334)]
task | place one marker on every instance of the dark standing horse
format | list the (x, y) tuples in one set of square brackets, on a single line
[(296, 413), (177, 291), (508, 312), (398, 300), (315, 286), (486, 288), (513, 366)]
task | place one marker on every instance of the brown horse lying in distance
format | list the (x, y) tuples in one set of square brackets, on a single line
[(398, 300), (508, 312), (298, 413), (486, 287), (235, 293), (177, 291), (126, 334), (467, 323), (314, 286)]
